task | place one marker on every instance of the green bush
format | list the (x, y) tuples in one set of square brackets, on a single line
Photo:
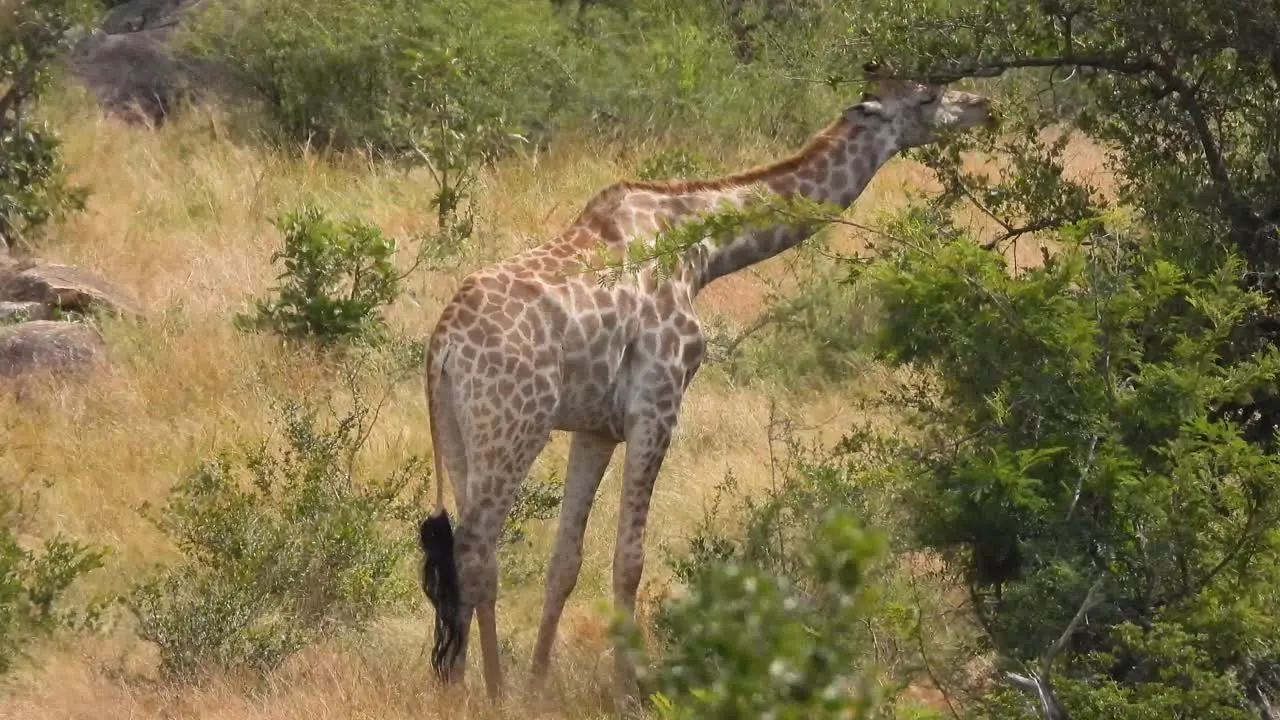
[(909, 634), (337, 279), (281, 547), (538, 500), (674, 68), (677, 164), (819, 332), (1066, 442), (394, 68), (33, 582)]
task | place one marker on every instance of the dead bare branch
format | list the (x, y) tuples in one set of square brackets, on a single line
[(1037, 681)]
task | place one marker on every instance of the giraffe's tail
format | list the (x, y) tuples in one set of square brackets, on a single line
[(435, 536), (433, 371)]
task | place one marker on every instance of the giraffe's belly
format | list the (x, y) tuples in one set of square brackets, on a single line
[(591, 401)]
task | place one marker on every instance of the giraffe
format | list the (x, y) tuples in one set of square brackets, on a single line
[(532, 344)]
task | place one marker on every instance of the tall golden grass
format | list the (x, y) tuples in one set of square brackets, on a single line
[(180, 217)]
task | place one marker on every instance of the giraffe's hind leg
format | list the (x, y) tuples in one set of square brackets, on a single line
[(495, 479), (503, 440), (589, 456)]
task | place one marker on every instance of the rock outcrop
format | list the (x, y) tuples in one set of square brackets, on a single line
[(38, 332), (67, 289), (15, 312)]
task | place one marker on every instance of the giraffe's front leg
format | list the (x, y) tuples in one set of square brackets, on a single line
[(647, 441)]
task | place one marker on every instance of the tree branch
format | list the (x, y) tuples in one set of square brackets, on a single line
[(1195, 586)]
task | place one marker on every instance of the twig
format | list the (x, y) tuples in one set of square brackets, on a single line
[(924, 652), (1014, 233), (1249, 531), (1084, 473), (995, 68)]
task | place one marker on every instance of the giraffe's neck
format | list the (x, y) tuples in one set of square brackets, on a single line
[(834, 168)]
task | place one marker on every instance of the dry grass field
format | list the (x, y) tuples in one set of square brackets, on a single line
[(179, 216)]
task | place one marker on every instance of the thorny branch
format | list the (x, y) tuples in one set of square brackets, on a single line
[(1248, 222), (1014, 233)]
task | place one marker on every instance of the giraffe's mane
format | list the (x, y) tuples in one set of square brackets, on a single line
[(817, 144), (595, 215)]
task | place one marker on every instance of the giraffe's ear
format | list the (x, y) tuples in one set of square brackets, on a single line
[(869, 109)]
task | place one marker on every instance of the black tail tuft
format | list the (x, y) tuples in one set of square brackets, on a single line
[(440, 583)]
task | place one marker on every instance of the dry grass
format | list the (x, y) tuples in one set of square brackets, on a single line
[(180, 217)]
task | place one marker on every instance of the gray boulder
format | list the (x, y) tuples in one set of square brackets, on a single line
[(58, 348), (129, 62)]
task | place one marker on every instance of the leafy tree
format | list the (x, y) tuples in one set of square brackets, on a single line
[(1070, 439), (33, 187), (366, 81)]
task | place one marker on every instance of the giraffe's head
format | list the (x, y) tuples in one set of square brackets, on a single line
[(908, 114)]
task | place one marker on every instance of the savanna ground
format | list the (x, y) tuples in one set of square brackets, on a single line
[(180, 216)]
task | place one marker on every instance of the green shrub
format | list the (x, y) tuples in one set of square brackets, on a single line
[(394, 68), (818, 332), (537, 501), (33, 582), (282, 547), (1075, 444), (337, 279), (746, 643), (911, 633), (670, 69)]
